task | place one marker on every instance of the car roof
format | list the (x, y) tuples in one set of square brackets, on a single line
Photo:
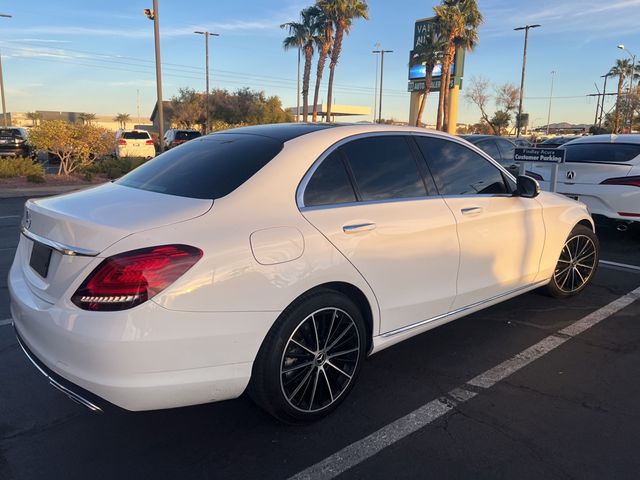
[(280, 131), (608, 138), (478, 137)]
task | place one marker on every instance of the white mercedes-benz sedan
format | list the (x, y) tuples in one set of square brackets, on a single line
[(274, 259)]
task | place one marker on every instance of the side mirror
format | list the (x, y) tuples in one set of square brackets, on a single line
[(527, 187)]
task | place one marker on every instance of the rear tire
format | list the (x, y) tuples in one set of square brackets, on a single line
[(310, 359), (577, 263)]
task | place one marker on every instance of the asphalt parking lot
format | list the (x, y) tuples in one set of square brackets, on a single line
[(532, 388)]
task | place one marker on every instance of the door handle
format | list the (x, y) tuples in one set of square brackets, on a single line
[(471, 210), (358, 227)]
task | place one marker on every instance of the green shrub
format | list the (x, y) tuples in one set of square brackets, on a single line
[(20, 167), (113, 167), (35, 178)]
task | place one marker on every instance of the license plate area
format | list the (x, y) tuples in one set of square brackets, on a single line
[(40, 259)]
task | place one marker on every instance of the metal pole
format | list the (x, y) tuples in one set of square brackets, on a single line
[(524, 66), (156, 36), (629, 99), (206, 94), (4, 107), (375, 89), (604, 97), (553, 74), (298, 92), (381, 79)]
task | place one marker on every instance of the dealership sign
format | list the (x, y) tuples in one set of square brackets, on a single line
[(541, 155)]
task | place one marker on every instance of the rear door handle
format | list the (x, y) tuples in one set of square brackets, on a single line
[(358, 227), (471, 210)]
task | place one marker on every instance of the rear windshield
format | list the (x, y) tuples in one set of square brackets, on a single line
[(187, 135), (10, 132), (136, 135), (601, 152), (209, 168)]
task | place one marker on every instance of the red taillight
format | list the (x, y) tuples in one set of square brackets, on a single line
[(129, 279), (626, 181), (122, 141), (149, 142)]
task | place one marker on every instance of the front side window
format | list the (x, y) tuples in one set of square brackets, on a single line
[(508, 150), (459, 170), (384, 167), (329, 184), (490, 148)]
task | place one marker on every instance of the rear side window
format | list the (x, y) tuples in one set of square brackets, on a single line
[(209, 168), (601, 152), (384, 167), (136, 135), (329, 184), (459, 170), (182, 135)]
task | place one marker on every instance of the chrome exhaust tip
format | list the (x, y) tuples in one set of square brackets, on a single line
[(622, 227)]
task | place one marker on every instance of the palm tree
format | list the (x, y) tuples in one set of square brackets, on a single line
[(303, 36), (341, 13), (122, 119), (35, 117), (324, 43), (459, 21), (429, 53), (87, 118), (622, 69)]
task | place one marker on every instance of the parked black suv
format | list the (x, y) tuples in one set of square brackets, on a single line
[(175, 137), (13, 142)]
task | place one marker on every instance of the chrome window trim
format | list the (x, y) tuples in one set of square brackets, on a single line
[(407, 328), (64, 249), (307, 176)]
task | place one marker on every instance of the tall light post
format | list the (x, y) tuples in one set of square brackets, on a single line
[(524, 66), (604, 97), (381, 52), (375, 88), (553, 75), (4, 106), (154, 15), (206, 74), (298, 89), (633, 72)]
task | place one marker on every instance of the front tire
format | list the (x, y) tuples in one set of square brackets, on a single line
[(577, 263), (310, 359)]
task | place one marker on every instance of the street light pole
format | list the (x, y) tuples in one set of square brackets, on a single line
[(524, 66), (381, 52), (375, 88), (154, 15), (553, 74), (206, 75), (298, 90), (633, 71), (4, 106)]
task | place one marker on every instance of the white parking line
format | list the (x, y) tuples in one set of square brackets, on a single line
[(621, 266), (5, 322), (367, 447)]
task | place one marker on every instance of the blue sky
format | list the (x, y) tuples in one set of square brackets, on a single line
[(94, 56)]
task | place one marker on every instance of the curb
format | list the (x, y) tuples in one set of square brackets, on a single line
[(41, 191)]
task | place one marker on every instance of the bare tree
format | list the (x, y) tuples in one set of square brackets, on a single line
[(505, 101)]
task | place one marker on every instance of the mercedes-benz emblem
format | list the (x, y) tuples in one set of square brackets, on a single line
[(571, 175), (27, 219)]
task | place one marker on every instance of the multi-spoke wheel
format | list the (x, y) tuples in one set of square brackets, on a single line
[(577, 263), (310, 359)]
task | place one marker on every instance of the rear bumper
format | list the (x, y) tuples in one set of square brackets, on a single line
[(14, 151), (146, 358)]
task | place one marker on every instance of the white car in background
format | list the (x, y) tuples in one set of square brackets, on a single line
[(274, 259), (603, 172), (134, 143)]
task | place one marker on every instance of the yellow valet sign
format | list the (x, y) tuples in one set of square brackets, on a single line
[(418, 74)]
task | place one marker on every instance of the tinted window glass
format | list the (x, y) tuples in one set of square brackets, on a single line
[(508, 151), (459, 170), (490, 148), (209, 167), (329, 184), (136, 135), (182, 135), (384, 167), (601, 152)]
